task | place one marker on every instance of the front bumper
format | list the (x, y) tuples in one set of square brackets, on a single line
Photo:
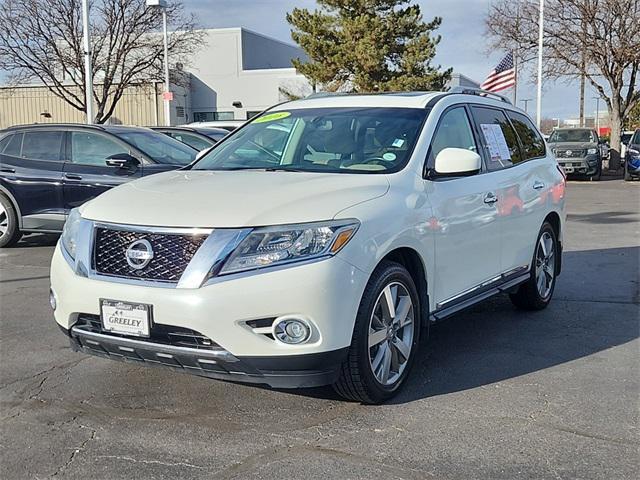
[(588, 165), (297, 371), (326, 293)]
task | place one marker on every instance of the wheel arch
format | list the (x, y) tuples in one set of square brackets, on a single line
[(554, 220), (410, 259), (6, 193)]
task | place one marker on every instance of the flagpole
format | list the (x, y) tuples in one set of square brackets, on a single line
[(540, 46), (515, 78)]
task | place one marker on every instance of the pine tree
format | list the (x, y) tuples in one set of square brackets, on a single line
[(368, 46)]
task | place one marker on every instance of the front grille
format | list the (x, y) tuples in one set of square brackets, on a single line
[(165, 334), (171, 254), (568, 153)]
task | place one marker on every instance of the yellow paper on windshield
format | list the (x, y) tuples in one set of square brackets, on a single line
[(270, 117)]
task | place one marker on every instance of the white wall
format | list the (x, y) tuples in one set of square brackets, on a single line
[(218, 78)]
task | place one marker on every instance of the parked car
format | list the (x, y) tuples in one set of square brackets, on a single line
[(46, 170), (577, 151), (323, 255), (624, 141), (198, 138), (229, 125), (632, 157)]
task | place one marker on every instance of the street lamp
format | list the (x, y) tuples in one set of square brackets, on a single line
[(167, 95), (526, 103), (597, 99)]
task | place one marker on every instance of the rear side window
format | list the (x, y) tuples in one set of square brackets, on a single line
[(4, 142), (42, 145), (500, 139), (532, 142), (12, 148)]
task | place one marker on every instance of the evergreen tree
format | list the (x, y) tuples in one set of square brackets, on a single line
[(368, 46)]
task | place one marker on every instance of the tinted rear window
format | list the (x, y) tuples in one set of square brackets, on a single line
[(42, 145), (14, 145), (532, 142)]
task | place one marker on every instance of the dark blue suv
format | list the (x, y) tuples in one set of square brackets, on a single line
[(46, 170)]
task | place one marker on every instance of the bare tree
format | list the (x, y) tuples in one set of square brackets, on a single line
[(41, 41), (597, 38)]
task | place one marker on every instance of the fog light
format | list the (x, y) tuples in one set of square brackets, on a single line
[(52, 299), (292, 331)]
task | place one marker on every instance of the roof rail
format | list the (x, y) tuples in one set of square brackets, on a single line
[(53, 125), (327, 94), (479, 92)]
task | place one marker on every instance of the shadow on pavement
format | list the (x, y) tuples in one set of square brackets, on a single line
[(38, 240), (493, 341)]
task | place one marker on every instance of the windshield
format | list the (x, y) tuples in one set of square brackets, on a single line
[(560, 136), (159, 147), (332, 140)]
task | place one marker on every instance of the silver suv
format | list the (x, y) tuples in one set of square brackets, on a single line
[(577, 151)]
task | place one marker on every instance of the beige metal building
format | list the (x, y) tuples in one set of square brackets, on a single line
[(140, 105)]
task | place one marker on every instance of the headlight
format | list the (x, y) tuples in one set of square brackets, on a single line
[(592, 151), (69, 236), (271, 246)]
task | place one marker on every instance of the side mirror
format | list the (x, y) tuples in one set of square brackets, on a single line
[(123, 160), (454, 162)]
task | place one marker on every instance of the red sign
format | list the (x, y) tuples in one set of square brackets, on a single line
[(167, 96)]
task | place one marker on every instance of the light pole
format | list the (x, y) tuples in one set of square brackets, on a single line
[(526, 103), (88, 78), (540, 45), (597, 99), (167, 95)]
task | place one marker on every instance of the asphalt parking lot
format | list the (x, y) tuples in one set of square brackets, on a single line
[(496, 393)]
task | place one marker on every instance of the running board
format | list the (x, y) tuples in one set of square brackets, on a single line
[(478, 297)]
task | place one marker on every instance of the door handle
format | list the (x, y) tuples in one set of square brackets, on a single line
[(538, 185), (7, 170), (490, 198), (72, 176)]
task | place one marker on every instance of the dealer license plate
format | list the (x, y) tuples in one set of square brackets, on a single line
[(125, 318)]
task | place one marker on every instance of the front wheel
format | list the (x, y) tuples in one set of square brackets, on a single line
[(536, 293), (9, 232), (385, 337)]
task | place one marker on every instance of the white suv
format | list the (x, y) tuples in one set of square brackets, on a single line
[(317, 243)]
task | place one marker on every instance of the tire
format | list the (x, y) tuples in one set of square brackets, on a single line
[(598, 175), (530, 295), (359, 380), (9, 233)]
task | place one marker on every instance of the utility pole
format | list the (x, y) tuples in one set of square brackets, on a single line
[(88, 76), (540, 46), (526, 103)]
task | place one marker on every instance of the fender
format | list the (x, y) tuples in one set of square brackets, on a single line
[(12, 199)]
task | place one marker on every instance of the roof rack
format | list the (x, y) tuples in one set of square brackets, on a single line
[(53, 125), (479, 92)]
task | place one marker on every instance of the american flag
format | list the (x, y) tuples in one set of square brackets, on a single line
[(501, 77)]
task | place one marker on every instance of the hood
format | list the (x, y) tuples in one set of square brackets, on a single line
[(187, 198), (573, 145)]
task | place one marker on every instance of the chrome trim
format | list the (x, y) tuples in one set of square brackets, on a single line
[(211, 256), (150, 229), (484, 284)]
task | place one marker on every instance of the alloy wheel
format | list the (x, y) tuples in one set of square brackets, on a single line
[(545, 265), (391, 331), (4, 220)]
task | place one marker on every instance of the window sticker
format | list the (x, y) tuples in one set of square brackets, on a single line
[(398, 142), (389, 156), (270, 117), (497, 144)]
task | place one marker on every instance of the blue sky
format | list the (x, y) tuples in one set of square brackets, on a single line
[(463, 45)]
